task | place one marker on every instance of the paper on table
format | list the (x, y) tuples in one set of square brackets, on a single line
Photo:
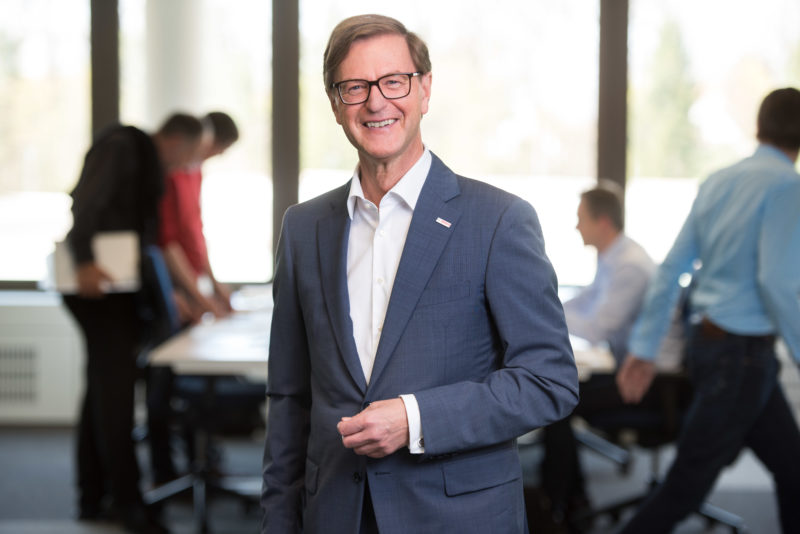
[(115, 252)]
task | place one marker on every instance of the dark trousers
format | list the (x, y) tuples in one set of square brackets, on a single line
[(737, 403), (160, 387), (369, 524), (107, 464), (560, 471)]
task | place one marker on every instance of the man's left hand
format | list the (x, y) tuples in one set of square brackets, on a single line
[(378, 430), (634, 378)]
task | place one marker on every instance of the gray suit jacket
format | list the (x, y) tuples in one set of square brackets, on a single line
[(474, 329)]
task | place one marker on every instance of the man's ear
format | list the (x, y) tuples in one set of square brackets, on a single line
[(335, 106), (425, 82), (608, 224)]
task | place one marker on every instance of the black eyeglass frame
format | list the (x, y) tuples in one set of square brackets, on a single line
[(376, 83)]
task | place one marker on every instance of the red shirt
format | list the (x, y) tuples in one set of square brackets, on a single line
[(181, 219)]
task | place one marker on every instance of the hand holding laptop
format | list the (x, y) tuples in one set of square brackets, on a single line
[(115, 268), (93, 281)]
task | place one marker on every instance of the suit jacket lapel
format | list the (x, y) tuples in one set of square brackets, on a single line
[(427, 236), (332, 235)]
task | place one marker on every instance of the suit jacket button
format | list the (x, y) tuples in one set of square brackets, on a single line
[(357, 477)]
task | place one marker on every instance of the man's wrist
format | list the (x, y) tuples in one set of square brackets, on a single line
[(416, 443)]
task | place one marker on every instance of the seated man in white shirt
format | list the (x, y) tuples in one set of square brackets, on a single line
[(602, 312), (605, 310)]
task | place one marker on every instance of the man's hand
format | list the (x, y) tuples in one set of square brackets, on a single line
[(377, 431), (634, 378), (92, 280), (222, 294), (209, 304), (188, 313)]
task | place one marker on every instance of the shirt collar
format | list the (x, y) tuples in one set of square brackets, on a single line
[(407, 188), (765, 149)]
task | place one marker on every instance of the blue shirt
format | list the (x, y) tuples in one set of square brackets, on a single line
[(744, 228)]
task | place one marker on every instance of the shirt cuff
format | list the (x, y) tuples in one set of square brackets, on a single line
[(416, 445)]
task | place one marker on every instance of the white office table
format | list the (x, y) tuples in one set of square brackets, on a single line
[(236, 345)]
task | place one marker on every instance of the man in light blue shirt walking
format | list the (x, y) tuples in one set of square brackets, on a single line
[(744, 230)]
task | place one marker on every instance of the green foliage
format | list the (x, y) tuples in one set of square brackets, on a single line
[(663, 140), (794, 65)]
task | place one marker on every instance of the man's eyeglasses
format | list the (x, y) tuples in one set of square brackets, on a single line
[(391, 86)]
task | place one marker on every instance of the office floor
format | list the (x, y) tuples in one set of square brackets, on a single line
[(744, 489), (37, 483), (36, 488)]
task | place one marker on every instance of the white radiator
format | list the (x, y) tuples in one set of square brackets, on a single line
[(41, 360)]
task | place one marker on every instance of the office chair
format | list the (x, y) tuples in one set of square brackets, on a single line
[(201, 409), (597, 442), (669, 362), (653, 425)]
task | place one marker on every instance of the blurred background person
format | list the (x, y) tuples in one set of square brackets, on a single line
[(744, 228), (197, 291), (602, 312), (181, 234), (119, 190)]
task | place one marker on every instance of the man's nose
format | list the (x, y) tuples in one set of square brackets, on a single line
[(375, 99)]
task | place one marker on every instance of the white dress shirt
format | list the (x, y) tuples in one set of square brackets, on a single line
[(376, 241), (606, 309)]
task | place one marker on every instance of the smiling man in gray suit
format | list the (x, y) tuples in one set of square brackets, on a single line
[(416, 331)]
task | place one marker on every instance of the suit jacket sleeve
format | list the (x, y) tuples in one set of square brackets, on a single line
[(289, 399), (536, 382)]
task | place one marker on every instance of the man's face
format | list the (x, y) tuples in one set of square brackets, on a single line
[(206, 145), (181, 152), (383, 131), (587, 225)]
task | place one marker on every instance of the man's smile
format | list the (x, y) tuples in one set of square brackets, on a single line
[(380, 124)]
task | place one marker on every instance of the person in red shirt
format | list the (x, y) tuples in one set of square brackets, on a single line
[(196, 289), (181, 233)]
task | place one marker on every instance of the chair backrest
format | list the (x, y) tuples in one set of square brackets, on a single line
[(161, 314), (656, 420), (236, 406)]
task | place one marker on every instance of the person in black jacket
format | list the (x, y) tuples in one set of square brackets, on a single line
[(119, 189)]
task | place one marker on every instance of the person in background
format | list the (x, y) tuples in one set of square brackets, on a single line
[(602, 312), (744, 229), (119, 190), (197, 291), (416, 330), (181, 234)]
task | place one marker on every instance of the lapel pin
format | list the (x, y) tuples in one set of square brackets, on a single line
[(444, 223)]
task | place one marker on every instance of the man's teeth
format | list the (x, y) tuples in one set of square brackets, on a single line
[(380, 124)]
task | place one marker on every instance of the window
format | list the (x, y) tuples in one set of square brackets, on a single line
[(514, 103), (198, 57), (44, 102), (698, 73)]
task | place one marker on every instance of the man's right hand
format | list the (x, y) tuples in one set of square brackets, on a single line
[(92, 280), (209, 304)]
